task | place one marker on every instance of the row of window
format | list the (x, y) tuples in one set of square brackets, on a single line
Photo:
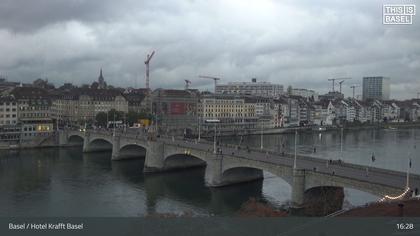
[(8, 115), (7, 109), (8, 104), (28, 115), (7, 122)]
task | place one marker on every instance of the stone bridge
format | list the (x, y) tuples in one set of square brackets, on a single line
[(235, 165)]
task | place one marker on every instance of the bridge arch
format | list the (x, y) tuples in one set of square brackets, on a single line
[(315, 180), (75, 139), (231, 166), (132, 150), (98, 144), (183, 160)]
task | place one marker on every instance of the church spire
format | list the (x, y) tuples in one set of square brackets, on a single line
[(101, 81)]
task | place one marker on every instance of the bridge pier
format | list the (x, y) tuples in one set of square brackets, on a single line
[(86, 140), (115, 148), (154, 161), (62, 139), (213, 174), (298, 187)]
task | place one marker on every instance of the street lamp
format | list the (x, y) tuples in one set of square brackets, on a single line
[(341, 143), (113, 131), (199, 128), (294, 161), (262, 134), (214, 121)]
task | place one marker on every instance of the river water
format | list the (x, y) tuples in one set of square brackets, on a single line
[(67, 182)]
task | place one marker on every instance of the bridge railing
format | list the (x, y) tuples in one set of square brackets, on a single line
[(143, 136)]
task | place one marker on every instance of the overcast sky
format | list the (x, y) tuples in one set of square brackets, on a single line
[(298, 43)]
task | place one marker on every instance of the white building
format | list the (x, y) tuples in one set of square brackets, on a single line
[(306, 93), (263, 89), (8, 111)]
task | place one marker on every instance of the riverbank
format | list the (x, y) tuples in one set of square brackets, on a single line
[(321, 129), (406, 208)]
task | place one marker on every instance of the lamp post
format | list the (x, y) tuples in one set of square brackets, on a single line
[(408, 172), (262, 134), (341, 143), (199, 129), (294, 161), (113, 131), (214, 138), (215, 121)]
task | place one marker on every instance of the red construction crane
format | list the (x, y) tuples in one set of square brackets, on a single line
[(147, 62), (210, 77)]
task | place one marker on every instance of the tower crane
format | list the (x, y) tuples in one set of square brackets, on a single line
[(333, 82), (210, 77), (187, 83), (147, 63), (354, 86), (342, 81)]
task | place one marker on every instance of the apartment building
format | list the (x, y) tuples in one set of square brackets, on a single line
[(81, 105)]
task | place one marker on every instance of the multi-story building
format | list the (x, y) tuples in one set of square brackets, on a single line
[(175, 111), (391, 111), (254, 88), (235, 113), (306, 93), (377, 87), (136, 100), (293, 108), (331, 96), (34, 112), (8, 111), (81, 105), (9, 128)]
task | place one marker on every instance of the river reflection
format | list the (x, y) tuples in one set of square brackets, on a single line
[(66, 182)]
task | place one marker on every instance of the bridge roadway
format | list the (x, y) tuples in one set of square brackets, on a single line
[(233, 165)]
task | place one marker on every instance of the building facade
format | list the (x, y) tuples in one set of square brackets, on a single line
[(175, 111), (81, 105), (254, 88), (377, 87), (34, 112)]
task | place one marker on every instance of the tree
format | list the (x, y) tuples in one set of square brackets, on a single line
[(101, 119), (119, 115), (289, 90), (132, 117)]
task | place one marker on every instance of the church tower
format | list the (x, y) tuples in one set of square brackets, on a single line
[(101, 81)]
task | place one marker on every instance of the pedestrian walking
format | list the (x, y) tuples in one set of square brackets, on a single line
[(373, 157), (314, 149)]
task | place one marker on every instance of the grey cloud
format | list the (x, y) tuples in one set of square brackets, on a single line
[(298, 43)]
